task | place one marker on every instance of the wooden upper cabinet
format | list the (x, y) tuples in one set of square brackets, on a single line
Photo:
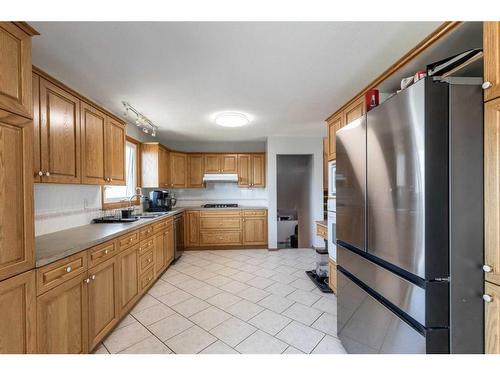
[(59, 135), (491, 48), (244, 167), (212, 163), (93, 148), (103, 305), (492, 189), (492, 319), (334, 125), (62, 318), (354, 111), (115, 138), (178, 170), (229, 163), (258, 170), (18, 307), (154, 166), (16, 196), (195, 171), (15, 70)]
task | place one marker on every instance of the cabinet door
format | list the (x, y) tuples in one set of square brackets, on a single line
[(62, 325), (258, 170), (212, 163), (254, 231), (18, 307), (129, 278), (195, 171), (178, 169), (333, 126), (491, 48), (492, 319), (192, 226), (37, 161), (229, 163), (16, 195), (93, 150), (103, 300), (179, 232), (163, 168), (354, 111), (244, 166), (115, 152), (160, 257), (169, 245), (60, 134), (15, 68), (492, 189)]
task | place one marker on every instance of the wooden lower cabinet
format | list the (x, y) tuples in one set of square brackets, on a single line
[(332, 278), (18, 314), (169, 245), (103, 303), (62, 318), (492, 319), (255, 230), (192, 228), (128, 278), (160, 256)]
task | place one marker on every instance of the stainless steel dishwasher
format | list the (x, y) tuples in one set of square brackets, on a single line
[(178, 235)]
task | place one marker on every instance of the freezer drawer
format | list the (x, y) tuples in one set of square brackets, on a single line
[(366, 324), (427, 303)]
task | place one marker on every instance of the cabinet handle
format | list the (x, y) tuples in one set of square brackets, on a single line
[(487, 268), (68, 269), (486, 85), (487, 298)]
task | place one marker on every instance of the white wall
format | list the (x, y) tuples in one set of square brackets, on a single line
[(295, 146)]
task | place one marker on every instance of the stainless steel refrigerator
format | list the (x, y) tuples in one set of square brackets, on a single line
[(410, 252)]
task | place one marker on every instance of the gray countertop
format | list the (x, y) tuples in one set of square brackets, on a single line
[(57, 245)]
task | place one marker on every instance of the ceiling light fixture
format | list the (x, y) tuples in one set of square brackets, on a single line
[(231, 119), (141, 121)]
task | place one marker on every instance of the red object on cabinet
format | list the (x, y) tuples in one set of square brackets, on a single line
[(371, 99)]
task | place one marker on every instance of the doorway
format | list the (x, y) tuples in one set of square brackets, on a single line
[(294, 200)]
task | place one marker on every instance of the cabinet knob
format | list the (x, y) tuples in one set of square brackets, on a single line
[(149, 260), (487, 268), (106, 251), (110, 180), (486, 85), (92, 277), (68, 269), (47, 174), (40, 173), (87, 280), (487, 298)]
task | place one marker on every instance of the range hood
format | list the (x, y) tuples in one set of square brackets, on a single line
[(220, 177)]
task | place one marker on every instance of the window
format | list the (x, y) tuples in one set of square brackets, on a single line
[(113, 196)]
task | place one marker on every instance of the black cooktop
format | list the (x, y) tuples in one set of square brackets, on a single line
[(220, 205)]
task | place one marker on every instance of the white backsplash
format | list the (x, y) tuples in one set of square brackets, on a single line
[(221, 193), (59, 207)]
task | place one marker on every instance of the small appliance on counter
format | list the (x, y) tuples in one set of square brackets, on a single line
[(161, 200)]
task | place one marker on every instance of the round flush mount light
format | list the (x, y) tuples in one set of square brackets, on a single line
[(231, 119)]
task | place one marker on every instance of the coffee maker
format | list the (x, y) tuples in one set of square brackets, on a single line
[(160, 200)]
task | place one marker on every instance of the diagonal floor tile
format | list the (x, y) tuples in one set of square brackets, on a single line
[(276, 303), (223, 300), (300, 336), (329, 345), (150, 345), (261, 343), (301, 313), (125, 337), (270, 322), (234, 287), (145, 302), (326, 323), (170, 326), (304, 297), (190, 306), (219, 347), (174, 298), (244, 309), (253, 294), (191, 341), (233, 331), (210, 318), (280, 289), (153, 314)]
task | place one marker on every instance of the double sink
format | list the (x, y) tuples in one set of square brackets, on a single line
[(131, 219)]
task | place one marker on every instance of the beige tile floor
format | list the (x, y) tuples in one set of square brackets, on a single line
[(232, 301)]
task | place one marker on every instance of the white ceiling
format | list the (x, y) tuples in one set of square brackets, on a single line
[(288, 76)]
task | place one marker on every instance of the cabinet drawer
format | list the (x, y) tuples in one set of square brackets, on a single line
[(56, 273), (146, 260), (220, 213), (158, 227), (220, 238), (145, 232), (147, 279), (321, 231), (146, 245), (254, 213), (101, 253), (128, 240), (220, 223)]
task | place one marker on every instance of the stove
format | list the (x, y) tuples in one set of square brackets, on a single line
[(220, 205)]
